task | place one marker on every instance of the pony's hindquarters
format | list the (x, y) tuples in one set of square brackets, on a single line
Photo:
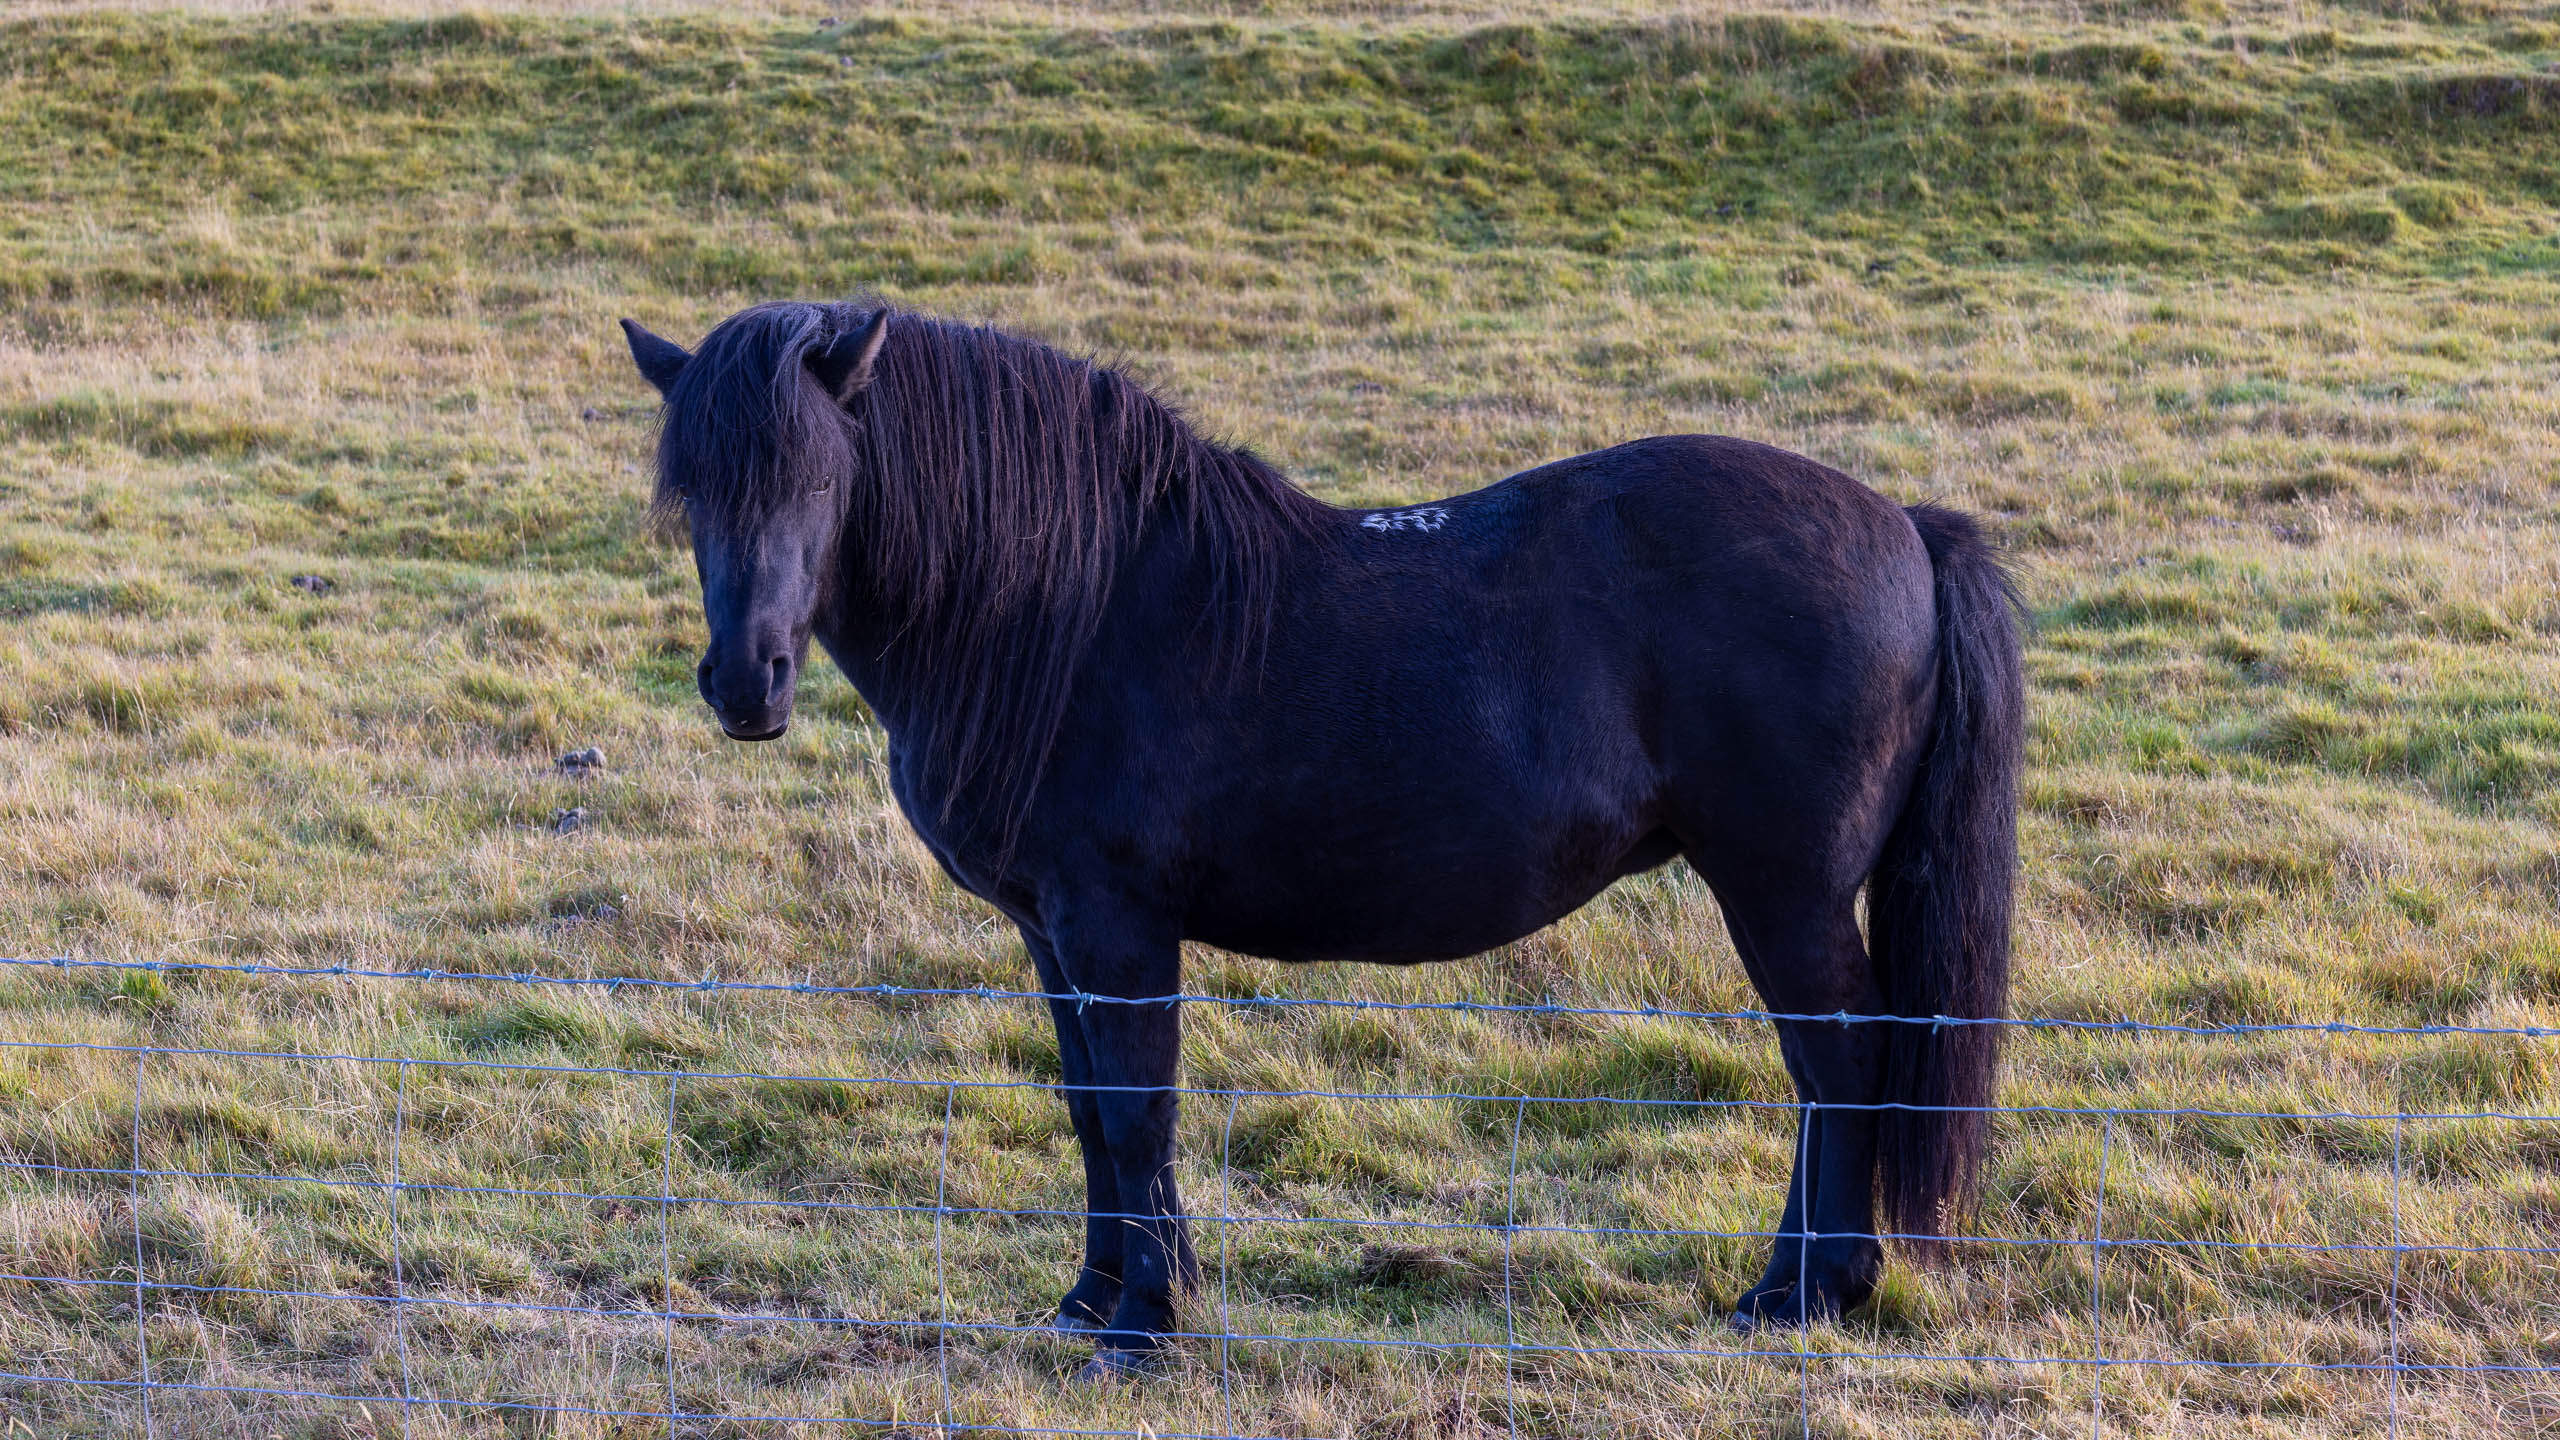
[(1938, 912)]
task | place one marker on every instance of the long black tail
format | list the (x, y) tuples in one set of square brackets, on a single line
[(1938, 907)]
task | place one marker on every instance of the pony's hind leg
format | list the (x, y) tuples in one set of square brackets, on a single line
[(1804, 955)]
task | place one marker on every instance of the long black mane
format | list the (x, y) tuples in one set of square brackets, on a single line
[(989, 488)]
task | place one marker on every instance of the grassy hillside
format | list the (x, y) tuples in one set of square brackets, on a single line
[(2237, 322)]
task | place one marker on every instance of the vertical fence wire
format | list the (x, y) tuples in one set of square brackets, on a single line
[(666, 1248), (1510, 1319), (2097, 1296), (1804, 1267), (941, 1271), (1226, 1222), (141, 1316), (399, 1269), (2399, 1250)]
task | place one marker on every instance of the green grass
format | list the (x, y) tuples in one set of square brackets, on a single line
[(2235, 320)]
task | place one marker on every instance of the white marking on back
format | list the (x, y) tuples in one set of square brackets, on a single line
[(1420, 517)]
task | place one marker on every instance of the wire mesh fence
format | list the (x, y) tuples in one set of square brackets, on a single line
[(1504, 1300)]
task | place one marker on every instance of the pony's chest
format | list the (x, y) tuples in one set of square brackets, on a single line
[(949, 828)]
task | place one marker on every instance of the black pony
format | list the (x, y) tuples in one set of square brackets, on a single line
[(1138, 689)]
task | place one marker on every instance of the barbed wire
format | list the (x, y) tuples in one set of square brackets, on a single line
[(1084, 998), (2165, 1112), (941, 1330)]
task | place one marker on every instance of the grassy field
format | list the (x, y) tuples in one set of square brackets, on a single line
[(2238, 321)]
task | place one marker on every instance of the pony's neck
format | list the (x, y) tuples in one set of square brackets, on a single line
[(1027, 505), (910, 654)]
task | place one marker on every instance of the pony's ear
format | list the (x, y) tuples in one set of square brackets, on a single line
[(660, 361), (844, 367)]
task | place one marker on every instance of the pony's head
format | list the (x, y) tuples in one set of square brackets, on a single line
[(951, 508), (754, 462)]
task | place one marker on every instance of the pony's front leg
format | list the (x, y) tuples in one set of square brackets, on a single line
[(1089, 1303), (1133, 1057)]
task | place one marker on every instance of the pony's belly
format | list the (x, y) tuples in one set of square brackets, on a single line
[(1391, 910)]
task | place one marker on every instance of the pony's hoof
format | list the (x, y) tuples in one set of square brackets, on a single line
[(1793, 1307), (1109, 1366), (1067, 1322), (1767, 1310)]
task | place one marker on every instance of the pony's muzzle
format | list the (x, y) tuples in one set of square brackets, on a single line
[(752, 700)]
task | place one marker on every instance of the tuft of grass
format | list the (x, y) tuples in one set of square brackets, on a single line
[(2353, 220)]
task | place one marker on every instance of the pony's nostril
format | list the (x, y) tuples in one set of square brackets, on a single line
[(781, 680)]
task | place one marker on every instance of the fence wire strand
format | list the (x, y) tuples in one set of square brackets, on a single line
[(399, 1268), (141, 1318), (1797, 1227), (666, 1248), (1804, 1265), (2399, 1253), (1082, 998), (1510, 1317), (941, 1269), (1226, 1221), (2097, 1297)]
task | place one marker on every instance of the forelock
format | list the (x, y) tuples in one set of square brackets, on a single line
[(744, 428)]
